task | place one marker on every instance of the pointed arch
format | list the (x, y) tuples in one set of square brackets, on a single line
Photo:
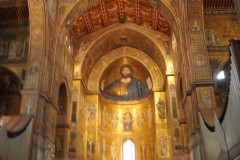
[(62, 99), (156, 74)]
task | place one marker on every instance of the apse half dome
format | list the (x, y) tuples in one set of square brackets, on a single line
[(126, 81)]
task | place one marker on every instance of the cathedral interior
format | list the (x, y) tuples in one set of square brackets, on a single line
[(119, 80)]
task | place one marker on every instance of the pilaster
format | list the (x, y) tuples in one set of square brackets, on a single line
[(202, 92)]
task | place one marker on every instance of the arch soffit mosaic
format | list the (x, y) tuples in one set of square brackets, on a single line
[(159, 55), (102, 64), (130, 27)]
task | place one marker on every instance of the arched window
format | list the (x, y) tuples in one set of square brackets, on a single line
[(221, 75), (128, 150), (62, 99)]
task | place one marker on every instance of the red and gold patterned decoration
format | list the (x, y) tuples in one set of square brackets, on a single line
[(121, 11)]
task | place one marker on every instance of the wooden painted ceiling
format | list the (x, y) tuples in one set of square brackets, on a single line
[(14, 13), (107, 13), (218, 4), (136, 11)]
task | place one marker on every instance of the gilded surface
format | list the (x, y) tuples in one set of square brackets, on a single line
[(125, 52), (102, 127), (203, 73), (125, 80), (197, 40), (121, 121), (200, 60), (126, 118), (162, 133), (220, 29), (206, 97), (126, 35), (36, 45)]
